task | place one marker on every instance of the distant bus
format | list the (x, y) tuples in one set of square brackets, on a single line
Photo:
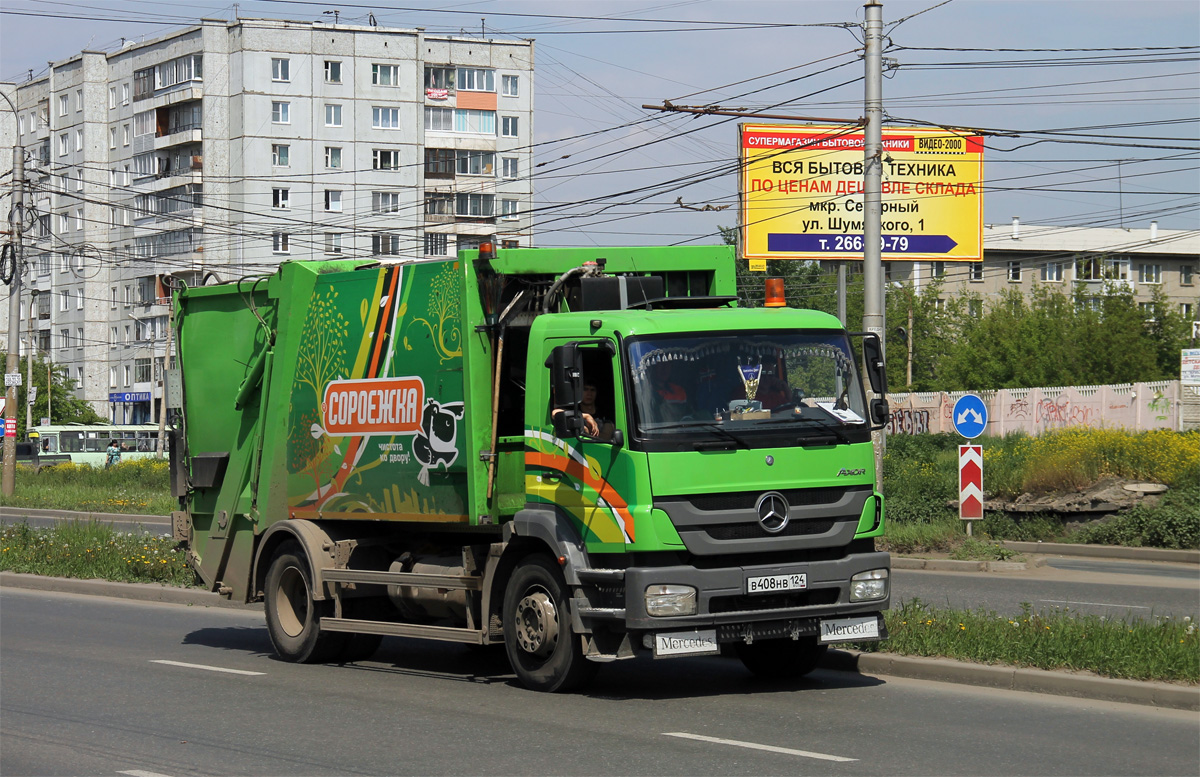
[(88, 443)]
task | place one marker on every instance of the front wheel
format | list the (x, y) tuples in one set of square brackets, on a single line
[(781, 659), (293, 616), (543, 651)]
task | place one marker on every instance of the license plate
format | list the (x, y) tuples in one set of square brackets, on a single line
[(773, 583), (850, 629), (686, 643)]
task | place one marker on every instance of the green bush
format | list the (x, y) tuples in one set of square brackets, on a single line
[(1023, 527), (88, 550), (1172, 523)]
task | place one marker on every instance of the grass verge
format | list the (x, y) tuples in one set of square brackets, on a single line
[(90, 550), (1162, 649), (135, 487)]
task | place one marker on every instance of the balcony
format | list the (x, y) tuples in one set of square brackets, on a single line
[(175, 136)]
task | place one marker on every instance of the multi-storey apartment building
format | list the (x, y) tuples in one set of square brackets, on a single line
[(226, 147)]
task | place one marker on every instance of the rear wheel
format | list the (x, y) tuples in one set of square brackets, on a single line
[(293, 616), (781, 659), (543, 650)]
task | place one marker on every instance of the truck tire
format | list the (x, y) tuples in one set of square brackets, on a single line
[(543, 650), (781, 659), (293, 616)]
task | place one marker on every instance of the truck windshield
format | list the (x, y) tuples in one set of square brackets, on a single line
[(739, 385)]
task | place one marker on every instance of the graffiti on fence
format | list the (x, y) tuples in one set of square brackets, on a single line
[(1160, 405), (1019, 409), (1060, 413), (905, 421)]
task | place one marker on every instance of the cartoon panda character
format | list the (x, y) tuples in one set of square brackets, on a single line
[(436, 443)]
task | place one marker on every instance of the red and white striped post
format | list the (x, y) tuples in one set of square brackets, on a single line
[(970, 484)]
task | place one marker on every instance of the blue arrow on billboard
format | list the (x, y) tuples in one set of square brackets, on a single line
[(789, 242)]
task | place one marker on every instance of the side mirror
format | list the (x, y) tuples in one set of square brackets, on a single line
[(876, 368), (618, 438), (566, 389), (567, 423), (881, 413)]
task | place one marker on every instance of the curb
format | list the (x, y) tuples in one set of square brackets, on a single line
[(950, 565), (11, 512), (1082, 686), (142, 592), (1163, 695), (1105, 551)]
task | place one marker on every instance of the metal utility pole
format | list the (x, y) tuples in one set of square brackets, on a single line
[(12, 378), (873, 305), (162, 405), (29, 366)]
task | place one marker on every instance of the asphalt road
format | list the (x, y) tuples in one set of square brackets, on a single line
[(85, 691)]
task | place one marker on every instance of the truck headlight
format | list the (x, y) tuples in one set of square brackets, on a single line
[(663, 600), (869, 585)]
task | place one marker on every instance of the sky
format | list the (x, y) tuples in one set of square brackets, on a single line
[(1094, 104)]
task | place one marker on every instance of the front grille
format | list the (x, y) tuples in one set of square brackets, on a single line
[(743, 603), (755, 531), (738, 632), (745, 500)]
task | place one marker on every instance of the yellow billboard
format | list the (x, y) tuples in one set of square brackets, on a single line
[(802, 193)]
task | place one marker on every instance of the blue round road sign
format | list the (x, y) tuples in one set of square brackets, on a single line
[(970, 416)]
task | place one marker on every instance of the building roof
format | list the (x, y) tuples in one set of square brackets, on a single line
[(1045, 238)]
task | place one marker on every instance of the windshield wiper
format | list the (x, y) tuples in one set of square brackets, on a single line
[(719, 429)]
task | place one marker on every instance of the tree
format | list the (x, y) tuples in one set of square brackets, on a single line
[(64, 409)]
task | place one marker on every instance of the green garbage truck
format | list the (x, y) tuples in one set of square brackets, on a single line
[(585, 455)]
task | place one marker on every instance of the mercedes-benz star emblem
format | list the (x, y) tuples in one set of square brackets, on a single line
[(772, 511)]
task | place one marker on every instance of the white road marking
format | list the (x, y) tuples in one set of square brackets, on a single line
[(1094, 604), (203, 666), (754, 746), (140, 773)]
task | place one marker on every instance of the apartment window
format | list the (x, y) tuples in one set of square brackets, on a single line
[(333, 71), (126, 370), (1149, 273), (475, 122), (124, 94), (112, 377), (1186, 273), (937, 269), (78, 180), (64, 338), (475, 205), (281, 69), (79, 299), (78, 100), (1052, 272), (64, 301), (510, 86), (439, 77), (385, 244), (385, 75), (21, 124), (125, 134), (509, 168), (436, 244), (127, 336), (1147, 310), (939, 305), (280, 155), (333, 115), (1185, 310), (128, 297), (112, 99), (385, 118), (508, 126), (281, 199), (112, 297), (141, 370), (79, 218), (333, 157), (177, 71), (508, 210), (79, 337), (64, 144), (385, 159), (64, 222), (439, 205), (510, 243), (385, 202), (975, 308), (1102, 269), (281, 112), (333, 200), (281, 243), (474, 79), (62, 105), (439, 119), (439, 163), (333, 242), (79, 140), (476, 163), (1014, 271)]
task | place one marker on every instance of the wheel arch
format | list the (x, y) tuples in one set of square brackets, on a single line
[(318, 549)]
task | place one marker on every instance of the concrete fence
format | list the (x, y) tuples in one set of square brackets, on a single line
[(1132, 406)]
